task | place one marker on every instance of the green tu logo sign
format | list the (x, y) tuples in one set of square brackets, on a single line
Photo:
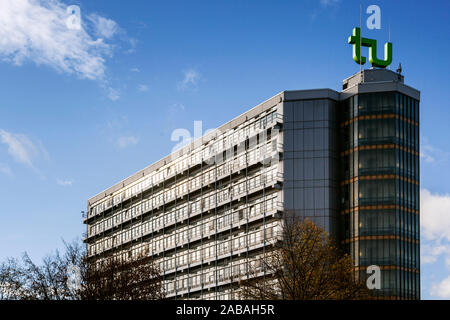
[(357, 41)]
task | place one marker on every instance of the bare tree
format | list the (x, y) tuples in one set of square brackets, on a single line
[(119, 279), (11, 280), (136, 278), (25, 280), (305, 264)]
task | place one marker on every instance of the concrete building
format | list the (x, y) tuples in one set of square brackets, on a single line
[(349, 160)]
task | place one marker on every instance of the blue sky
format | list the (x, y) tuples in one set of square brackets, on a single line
[(82, 109)]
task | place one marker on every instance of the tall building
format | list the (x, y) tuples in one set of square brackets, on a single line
[(379, 137), (349, 160)]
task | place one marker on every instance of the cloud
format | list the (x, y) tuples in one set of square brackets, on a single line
[(190, 80), (117, 133), (125, 141), (21, 148), (435, 231), (143, 88), (431, 154), (117, 123), (442, 289), (435, 215), (5, 169), (64, 183), (135, 70), (133, 44), (429, 254), (113, 94), (327, 3), (39, 31), (327, 7), (103, 27), (426, 157), (175, 109)]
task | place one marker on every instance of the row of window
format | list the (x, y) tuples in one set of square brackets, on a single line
[(233, 137), (371, 131), (385, 222), (203, 178), (382, 161), (207, 252), (217, 249), (388, 252), (204, 227), (195, 206), (240, 269), (381, 191), (381, 103), (397, 283)]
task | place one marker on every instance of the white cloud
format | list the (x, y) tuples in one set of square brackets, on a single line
[(435, 215), (103, 27), (113, 94), (125, 141), (36, 31), (426, 156), (190, 80), (117, 123), (327, 3), (21, 148), (442, 289), (116, 132), (175, 109), (435, 231), (5, 169), (135, 70), (133, 44), (64, 183), (143, 88), (429, 254), (431, 154)]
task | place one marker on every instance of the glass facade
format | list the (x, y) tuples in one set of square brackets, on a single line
[(380, 188), (309, 159)]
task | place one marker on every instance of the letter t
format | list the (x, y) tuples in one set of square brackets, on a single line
[(355, 40)]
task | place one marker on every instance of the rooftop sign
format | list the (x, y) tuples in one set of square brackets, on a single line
[(357, 41)]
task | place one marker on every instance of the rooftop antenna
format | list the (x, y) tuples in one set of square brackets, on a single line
[(360, 42), (399, 72), (389, 28)]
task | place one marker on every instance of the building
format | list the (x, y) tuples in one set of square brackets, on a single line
[(379, 136), (349, 160)]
